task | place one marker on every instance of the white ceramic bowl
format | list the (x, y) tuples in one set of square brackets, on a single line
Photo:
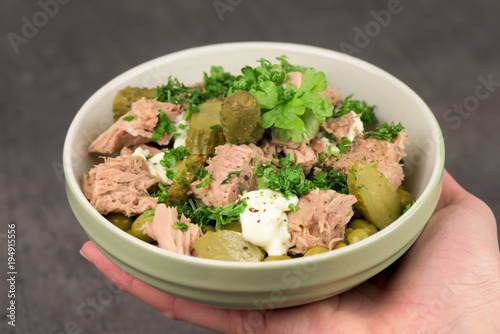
[(267, 284)]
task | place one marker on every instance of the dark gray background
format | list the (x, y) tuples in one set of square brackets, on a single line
[(440, 49)]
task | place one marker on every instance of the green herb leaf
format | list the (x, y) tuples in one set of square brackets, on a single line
[(343, 144), (180, 225), (216, 127), (149, 213), (161, 194), (359, 107), (292, 207), (386, 131), (128, 118), (173, 155), (228, 178), (164, 125)]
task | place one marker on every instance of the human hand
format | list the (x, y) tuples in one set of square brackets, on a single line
[(448, 281)]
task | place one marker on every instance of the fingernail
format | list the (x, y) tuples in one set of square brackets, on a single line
[(83, 255)]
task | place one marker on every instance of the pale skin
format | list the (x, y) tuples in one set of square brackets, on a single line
[(448, 282)]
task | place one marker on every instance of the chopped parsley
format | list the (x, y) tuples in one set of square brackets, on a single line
[(292, 207), (216, 127), (173, 155), (386, 131), (359, 107), (330, 179), (128, 118), (161, 194), (408, 206), (164, 125), (202, 174), (219, 217), (343, 144), (180, 225), (290, 180), (149, 213), (289, 67), (228, 178), (189, 97)]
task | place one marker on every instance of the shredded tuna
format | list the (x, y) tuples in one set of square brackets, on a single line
[(320, 220), (339, 127), (177, 240), (229, 158), (368, 149), (137, 131), (304, 155), (120, 185)]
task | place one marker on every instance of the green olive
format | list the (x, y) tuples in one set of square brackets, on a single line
[(240, 117), (357, 235), (405, 196), (316, 250), (339, 245), (120, 220), (347, 231), (207, 228), (277, 258), (361, 223), (138, 228)]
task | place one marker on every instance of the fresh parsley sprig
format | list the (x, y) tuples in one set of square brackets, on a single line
[(359, 107), (386, 131), (164, 125)]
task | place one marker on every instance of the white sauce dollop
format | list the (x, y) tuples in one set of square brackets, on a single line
[(356, 128), (264, 221), (155, 168)]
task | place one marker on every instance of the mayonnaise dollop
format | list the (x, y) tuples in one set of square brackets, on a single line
[(356, 128), (155, 168), (264, 221)]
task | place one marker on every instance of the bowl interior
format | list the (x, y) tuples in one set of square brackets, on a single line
[(394, 102)]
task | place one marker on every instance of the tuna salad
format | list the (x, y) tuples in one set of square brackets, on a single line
[(271, 164)]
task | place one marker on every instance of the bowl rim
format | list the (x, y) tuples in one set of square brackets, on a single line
[(74, 183)]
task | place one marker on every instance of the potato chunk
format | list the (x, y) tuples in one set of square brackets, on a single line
[(377, 199)]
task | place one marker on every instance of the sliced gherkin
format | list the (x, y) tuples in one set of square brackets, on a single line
[(240, 117), (227, 245), (125, 97), (184, 177), (377, 199), (204, 132)]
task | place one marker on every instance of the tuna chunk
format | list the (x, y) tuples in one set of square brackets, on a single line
[(368, 149), (229, 158), (177, 240), (137, 131), (120, 185), (296, 79), (341, 126), (304, 155), (320, 220)]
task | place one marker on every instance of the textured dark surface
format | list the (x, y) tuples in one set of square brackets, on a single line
[(443, 50)]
